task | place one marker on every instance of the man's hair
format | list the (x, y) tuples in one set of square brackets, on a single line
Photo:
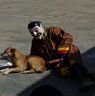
[(32, 24)]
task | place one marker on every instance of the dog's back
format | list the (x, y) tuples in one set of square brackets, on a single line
[(37, 63)]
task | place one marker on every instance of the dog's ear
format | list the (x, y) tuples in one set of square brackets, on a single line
[(13, 50)]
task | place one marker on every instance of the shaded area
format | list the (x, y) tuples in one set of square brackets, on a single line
[(89, 59), (46, 90), (28, 91), (90, 52)]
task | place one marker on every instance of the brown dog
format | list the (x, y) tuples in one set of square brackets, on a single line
[(23, 63)]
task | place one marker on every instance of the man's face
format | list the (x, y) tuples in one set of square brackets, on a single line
[(37, 32)]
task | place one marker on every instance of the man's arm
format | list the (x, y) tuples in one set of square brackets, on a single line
[(63, 40), (61, 37), (67, 40)]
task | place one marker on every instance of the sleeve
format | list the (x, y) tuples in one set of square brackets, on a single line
[(56, 32), (64, 45), (67, 40), (61, 37), (63, 40)]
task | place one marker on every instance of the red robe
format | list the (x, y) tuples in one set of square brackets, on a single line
[(48, 47), (57, 44)]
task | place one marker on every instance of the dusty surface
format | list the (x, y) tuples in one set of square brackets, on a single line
[(74, 16)]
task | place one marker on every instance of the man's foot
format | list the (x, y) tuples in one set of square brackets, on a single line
[(87, 85)]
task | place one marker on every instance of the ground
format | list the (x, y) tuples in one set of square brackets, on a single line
[(74, 16)]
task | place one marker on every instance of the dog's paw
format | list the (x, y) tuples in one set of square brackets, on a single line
[(6, 72), (3, 70), (28, 72)]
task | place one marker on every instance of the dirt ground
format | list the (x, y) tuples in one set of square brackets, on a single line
[(74, 16)]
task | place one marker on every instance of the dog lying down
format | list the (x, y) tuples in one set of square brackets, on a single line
[(23, 63)]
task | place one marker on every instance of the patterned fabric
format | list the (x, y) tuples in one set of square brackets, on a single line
[(62, 69), (67, 66), (62, 52)]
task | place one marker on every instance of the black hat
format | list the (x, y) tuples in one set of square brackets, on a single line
[(33, 24)]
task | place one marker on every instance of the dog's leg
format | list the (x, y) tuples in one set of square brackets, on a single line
[(39, 71), (28, 71), (17, 69), (3, 70)]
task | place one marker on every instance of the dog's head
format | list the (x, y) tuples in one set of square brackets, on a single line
[(8, 52)]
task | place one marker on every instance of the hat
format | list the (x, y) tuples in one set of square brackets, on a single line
[(32, 24)]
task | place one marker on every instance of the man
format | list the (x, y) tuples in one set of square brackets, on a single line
[(57, 48)]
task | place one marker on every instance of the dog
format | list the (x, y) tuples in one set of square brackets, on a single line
[(23, 63)]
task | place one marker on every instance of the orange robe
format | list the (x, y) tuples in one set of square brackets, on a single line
[(57, 44)]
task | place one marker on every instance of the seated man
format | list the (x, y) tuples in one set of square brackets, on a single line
[(57, 48)]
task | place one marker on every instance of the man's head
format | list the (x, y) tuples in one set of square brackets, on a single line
[(36, 29)]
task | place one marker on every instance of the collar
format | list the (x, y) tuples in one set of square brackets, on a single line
[(45, 33)]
